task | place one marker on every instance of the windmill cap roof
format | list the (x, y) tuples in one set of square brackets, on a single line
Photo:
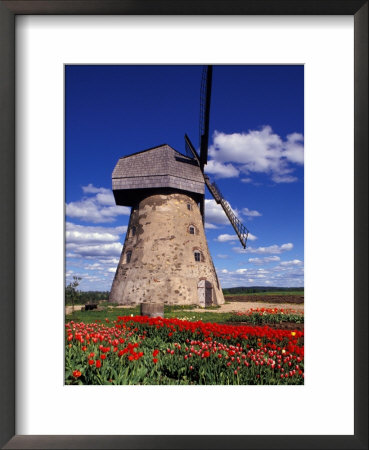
[(157, 161)]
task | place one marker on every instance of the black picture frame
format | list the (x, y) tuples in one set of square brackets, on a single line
[(8, 11)]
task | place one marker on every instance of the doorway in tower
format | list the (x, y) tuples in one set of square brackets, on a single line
[(205, 293)]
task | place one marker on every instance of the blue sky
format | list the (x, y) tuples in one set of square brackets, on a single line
[(255, 157)]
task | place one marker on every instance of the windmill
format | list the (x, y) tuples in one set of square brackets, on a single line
[(165, 256)]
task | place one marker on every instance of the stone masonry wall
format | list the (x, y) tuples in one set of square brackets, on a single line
[(162, 266)]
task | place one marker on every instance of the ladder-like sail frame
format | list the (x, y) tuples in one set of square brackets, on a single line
[(240, 229)]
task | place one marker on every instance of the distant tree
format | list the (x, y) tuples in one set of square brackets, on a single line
[(71, 292)]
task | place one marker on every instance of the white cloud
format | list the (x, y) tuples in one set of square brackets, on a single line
[(89, 210), (105, 198), (226, 238), (95, 266), (99, 208), (210, 226), (113, 249), (294, 148), (70, 226), (246, 180), (233, 237), (215, 215), (258, 151), (94, 242), (76, 236), (284, 179), (80, 234), (282, 276), (265, 260), (221, 170), (272, 249), (91, 189), (248, 213), (251, 237), (294, 262)]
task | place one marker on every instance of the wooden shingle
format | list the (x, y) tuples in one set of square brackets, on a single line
[(157, 168)]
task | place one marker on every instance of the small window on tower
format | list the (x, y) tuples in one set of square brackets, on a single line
[(192, 229), (189, 207), (197, 255), (133, 231), (128, 256)]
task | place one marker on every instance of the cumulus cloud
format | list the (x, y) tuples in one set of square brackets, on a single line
[(214, 214), (94, 242), (98, 206), (221, 170), (79, 234), (233, 237), (251, 237), (282, 276), (271, 249), (284, 178), (210, 226), (76, 236), (226, 238), (294, 262), (216, 217), (265, 260), (93, 251), (257, 151), (249, 213), (91, 189)]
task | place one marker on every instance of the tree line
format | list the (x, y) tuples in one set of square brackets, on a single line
[(73, 296)]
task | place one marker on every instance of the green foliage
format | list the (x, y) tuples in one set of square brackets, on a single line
[(71, 293), (169, 312), (88, 297), (265, 318)]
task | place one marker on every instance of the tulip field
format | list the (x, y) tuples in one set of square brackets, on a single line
[(141, 350)]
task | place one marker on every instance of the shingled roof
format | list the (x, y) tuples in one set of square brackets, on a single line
[(158, 167)]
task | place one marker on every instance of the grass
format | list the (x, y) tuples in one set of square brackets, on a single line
[(170, 311)]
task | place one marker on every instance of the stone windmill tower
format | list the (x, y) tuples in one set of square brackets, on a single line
[(165, 256)]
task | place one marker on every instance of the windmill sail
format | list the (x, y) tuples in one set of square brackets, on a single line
[(205, 114), (240, 229), (202, 158)]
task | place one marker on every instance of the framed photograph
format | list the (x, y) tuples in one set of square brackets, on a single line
[(308, 65)]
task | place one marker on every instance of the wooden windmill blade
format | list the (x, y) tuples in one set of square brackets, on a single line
[(202, 159), (205, 98), (240, 229)]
